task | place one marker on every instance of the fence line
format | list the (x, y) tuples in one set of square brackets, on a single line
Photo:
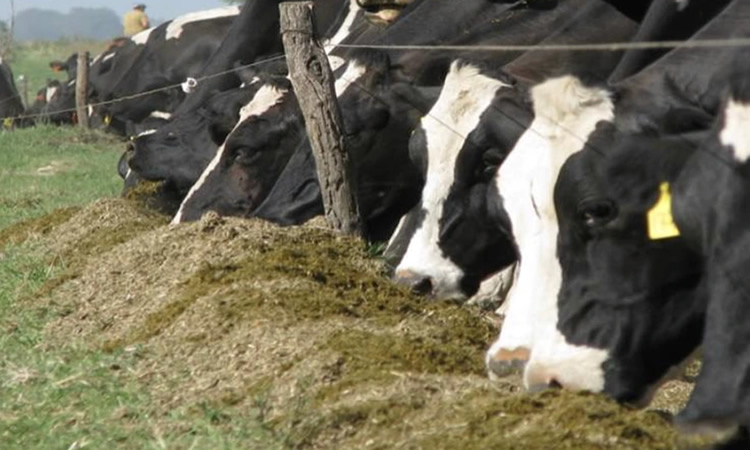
[(611, 46), (141, 94)]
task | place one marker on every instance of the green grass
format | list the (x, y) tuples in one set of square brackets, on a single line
[(45, 168), (65, 395)]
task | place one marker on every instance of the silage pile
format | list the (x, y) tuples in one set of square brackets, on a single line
[(297, 327)]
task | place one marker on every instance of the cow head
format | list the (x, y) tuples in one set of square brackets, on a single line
[(628, 305), (70, 66), (566, 111), (250, 159), (180, 150), (449, 240)]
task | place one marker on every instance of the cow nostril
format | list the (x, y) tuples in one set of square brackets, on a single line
[(422, 286), (507, 362), (554, 384), (419, 284)]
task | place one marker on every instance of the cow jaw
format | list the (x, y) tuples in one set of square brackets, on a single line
[(466, 94), (565, 112)]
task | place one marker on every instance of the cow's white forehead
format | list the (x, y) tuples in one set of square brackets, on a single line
[(147, 132), (160, 115), (736, 131), (565, 113), (263, 100), (466, 94), (142, 37), (354, 71), (174, 29)]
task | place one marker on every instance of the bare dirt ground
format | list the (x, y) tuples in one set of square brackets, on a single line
[(298, 327)]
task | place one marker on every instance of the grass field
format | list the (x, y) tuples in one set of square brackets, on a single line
[(53, 394)]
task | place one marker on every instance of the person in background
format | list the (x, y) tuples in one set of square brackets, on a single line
[(135, 20)]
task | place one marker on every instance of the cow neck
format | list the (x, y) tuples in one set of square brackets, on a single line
[(584, 22), (685, 76), (665, 21)]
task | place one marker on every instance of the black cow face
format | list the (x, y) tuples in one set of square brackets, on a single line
[(179, 151), (458, 148), (250, 160), (632, 287), (60, 102)]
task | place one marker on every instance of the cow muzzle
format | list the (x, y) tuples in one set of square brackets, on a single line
[(504, 362), (419, 284)]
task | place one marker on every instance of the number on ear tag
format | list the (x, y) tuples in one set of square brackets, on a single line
[(660, 221)]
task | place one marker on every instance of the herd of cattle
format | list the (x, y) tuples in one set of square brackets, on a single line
[(608, 185)]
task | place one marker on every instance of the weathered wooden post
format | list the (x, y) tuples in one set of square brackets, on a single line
[(313, 84), (82, 89)]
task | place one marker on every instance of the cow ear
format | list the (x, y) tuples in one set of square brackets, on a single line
[(58, 66)]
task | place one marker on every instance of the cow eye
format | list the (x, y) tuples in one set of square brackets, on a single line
[(246, 156), (597, 213)]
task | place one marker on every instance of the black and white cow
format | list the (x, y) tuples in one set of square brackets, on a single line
[(594, 322), (238, 179), (452, 238), (669, 95), (653, 245), (180, 151), (11, 104), (296, 195), (253, 36), (164, 55)]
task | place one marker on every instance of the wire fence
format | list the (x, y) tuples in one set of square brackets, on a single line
[(140, 94), (611, 46)]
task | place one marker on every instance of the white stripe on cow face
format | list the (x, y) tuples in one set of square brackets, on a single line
[(736, 131), (174, 29), (565, 113), (265, 98), (160, 115), (466, 94), (146, 133), (142, 37), (354, 71), (50, 93), (346, 27)]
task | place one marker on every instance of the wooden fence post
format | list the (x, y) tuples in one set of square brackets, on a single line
[(313, 84), (82, 89)]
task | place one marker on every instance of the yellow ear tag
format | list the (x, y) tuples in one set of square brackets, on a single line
[(8, 122), (660, 221), (107, 119)]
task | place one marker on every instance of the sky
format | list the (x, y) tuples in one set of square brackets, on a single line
[(158, 9)]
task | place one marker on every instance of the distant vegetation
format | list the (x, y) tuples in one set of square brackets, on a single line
[(90, 23)]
